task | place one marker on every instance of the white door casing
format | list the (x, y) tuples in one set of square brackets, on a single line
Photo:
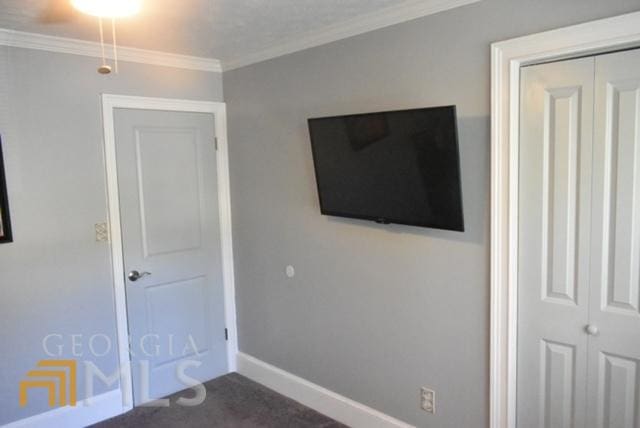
[(507, 57), (218, 112)]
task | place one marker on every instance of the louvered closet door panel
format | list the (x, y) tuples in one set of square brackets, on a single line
[(614, 353), (554, 217)]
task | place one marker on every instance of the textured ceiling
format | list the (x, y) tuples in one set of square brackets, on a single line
[(223, 29)]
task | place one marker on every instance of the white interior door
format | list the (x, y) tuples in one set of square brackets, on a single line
[(172, 250), (614, 349), (554, 228)]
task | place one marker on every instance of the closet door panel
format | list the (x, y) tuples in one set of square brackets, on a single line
[(554, 218), (614, 351)]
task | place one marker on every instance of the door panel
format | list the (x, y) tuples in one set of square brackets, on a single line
[(620, 256), (159, 151), (553, 272), (187, 317), (614, 398), (169, 208), (559, 194), (558, 384), (617, 396)]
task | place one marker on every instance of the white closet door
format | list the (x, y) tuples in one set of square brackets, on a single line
[(554, 226), (614, 351)]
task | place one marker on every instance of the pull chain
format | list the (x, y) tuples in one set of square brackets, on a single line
[(104, 68), (115, 43)]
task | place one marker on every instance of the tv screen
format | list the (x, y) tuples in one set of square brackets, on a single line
[(390, 167)]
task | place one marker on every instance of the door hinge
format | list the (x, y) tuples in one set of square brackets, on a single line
[(226, 334), (215, 142)]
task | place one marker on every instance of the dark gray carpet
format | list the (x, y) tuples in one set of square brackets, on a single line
[(232, 401)]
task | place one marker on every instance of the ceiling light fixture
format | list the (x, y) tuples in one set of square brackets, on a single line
[(108, 9)]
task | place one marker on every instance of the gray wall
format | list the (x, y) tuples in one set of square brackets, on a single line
[(374, 312), (55, 278)]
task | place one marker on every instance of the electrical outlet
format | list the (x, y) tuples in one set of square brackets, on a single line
[(428, 400)]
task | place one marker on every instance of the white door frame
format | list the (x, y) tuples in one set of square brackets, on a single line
[(506, 60), (218, 110)]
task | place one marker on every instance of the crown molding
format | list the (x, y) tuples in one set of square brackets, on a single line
[(19, 39), (386, 17)]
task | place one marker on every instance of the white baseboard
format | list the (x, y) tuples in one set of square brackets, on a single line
[(100, 408), (327, 402)]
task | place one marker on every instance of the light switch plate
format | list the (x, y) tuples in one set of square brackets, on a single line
[(102, 232)]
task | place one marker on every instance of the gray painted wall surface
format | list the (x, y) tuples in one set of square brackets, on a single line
[(55, 278), (374, 312)]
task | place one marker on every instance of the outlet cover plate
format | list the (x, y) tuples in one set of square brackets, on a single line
[(428, 400)]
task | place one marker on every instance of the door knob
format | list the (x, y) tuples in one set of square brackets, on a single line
[(134, 275), (592, 330)]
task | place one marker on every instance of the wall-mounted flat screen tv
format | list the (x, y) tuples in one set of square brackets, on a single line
[(390, 167)]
